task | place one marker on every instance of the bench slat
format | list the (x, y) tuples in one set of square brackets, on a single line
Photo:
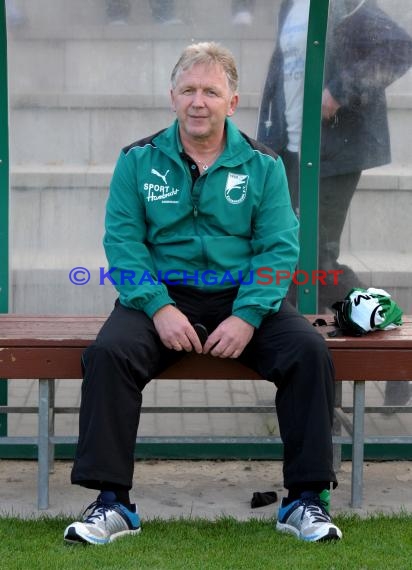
[(56, 330), (80, 330), (64, 363), (51, 347)]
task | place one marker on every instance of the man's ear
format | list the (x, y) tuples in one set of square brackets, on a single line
[(233, 105)]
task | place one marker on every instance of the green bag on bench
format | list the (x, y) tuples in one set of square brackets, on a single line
[(366, 310)]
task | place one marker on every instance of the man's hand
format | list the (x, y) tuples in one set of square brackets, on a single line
[(229, 339), (329, 105), (175, 330)]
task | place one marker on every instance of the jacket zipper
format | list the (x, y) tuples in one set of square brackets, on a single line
[(195, 216)]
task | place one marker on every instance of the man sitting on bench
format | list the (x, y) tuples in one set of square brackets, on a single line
[(198, 225)]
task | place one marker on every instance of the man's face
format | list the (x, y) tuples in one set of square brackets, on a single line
[(202, 99)]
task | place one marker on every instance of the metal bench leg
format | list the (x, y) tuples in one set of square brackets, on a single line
[(52, 386), (337, 428), (358, 443), (43, 444)]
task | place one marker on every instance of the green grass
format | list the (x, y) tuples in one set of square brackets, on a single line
[(378, 542)]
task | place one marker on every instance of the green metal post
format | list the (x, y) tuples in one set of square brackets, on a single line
[(310, 154), (4, 193)]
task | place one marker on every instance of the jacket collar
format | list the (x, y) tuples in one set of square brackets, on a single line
[(237, 149)]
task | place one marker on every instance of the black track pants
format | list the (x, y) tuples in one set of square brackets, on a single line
[(127, 353)]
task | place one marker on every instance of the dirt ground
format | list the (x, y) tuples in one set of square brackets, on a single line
[(208, 489)]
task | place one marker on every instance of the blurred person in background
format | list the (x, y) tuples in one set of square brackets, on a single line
[(243, 12), (163, 11), (366, 52)]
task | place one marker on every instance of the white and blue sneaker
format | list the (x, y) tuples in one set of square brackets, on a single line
[(307, 519), (104, 520)]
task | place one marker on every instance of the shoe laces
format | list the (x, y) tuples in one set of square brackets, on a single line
[(98, 510), (315, 507)]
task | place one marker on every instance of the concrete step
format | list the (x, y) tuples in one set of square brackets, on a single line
[(89, 129), (122, 66), (136, 62), (61, 194), (389, 270), (379, 215), (89, 136), (36, 289)]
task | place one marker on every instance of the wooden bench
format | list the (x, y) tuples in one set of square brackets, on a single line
[(49, 347)]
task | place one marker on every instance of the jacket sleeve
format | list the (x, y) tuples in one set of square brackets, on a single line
[(275, 250), (369, 51), (131, 268)]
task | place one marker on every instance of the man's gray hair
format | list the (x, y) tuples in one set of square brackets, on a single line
[(207, 53)]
